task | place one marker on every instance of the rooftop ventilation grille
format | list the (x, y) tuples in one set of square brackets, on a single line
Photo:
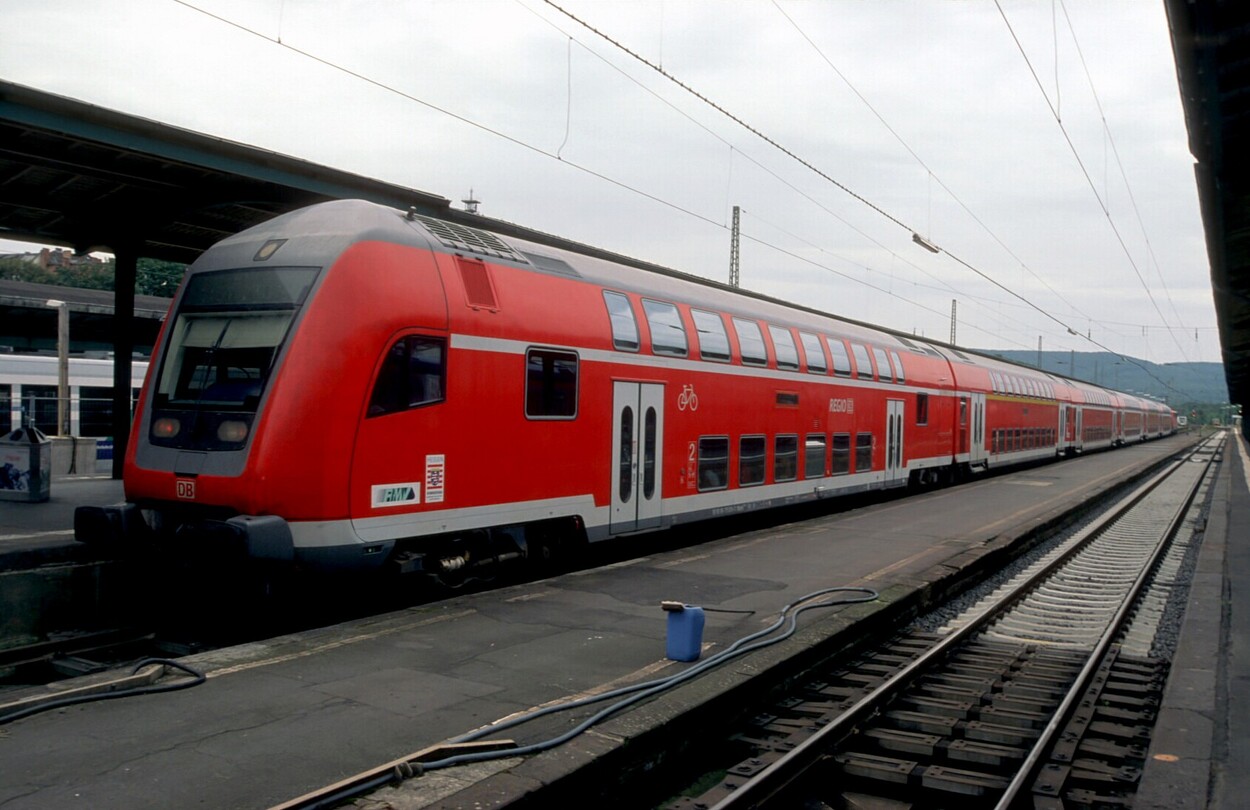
[(459, 237)]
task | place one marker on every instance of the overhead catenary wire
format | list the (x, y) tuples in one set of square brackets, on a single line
[(557, 155), (605, 177), (895, 220), (933, 176), (1102, 203)]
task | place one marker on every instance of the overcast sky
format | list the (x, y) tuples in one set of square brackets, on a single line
[(1039, 144)]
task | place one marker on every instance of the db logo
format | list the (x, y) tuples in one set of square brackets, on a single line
[(185, 489)]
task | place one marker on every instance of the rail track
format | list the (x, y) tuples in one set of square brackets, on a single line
[(1027, 697)]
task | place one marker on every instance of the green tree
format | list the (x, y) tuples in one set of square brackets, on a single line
[(156, 277)]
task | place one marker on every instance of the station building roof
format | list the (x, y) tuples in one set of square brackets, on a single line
[(90, 178), (1211, 43)]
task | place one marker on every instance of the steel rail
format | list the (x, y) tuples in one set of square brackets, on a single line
[(1027, 771), (780, 774)]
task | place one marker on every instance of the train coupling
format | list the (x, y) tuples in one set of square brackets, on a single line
[(122, 529), (116, 528)]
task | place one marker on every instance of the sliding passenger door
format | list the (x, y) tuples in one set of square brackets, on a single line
[(894, 440), (637, 443), (978, 429)]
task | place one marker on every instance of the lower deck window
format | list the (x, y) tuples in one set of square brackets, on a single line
[(814, 456), (751, 451), (713, 463), (841, 454), (863, 452), (785, 458)]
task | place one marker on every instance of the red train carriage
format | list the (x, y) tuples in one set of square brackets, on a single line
[(347, 385)]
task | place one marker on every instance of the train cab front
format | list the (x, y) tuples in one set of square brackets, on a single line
[(190, 477)]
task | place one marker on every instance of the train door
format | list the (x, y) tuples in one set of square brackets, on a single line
[(978, 429), (637, 441), (894, 440), (1069, 435), (963, 426)]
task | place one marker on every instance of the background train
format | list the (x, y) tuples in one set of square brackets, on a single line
[(349, 386), (28, 392)]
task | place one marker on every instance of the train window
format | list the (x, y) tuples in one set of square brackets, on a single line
[(863, 366), (783, 345), (814, 456), (785, 458), (649, 431), (550, 384), (751, 450), (841, 461), (963, 410), (922, 409), (6, 408), (412, 375), (709, 334), (863, 452), (841, 360), (95, 407), (815, 354), (713, 463), (625, 472), (898, 367), (883, 364), (624, 327), (750, 342), (668, 334)]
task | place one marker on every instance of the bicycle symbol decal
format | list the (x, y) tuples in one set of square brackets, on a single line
[(687, 398)]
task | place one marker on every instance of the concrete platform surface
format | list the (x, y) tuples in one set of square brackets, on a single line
[(280, 718)]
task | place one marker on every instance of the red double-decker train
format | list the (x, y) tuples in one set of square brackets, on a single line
[(350, 386)]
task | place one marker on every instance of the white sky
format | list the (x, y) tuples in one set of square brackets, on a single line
[(532, 111)]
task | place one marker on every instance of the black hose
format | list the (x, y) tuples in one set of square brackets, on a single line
[(197, 678)]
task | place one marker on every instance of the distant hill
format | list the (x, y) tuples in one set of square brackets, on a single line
[(1196, 382)]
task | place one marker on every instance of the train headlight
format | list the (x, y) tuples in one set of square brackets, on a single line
[(166, 427), (232, 430)]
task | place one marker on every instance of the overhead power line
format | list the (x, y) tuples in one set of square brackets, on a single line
[(599, 175)]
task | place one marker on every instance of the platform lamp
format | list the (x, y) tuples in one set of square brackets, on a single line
[(62, 365)]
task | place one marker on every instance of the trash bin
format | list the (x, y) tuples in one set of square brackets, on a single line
[(25, 466)]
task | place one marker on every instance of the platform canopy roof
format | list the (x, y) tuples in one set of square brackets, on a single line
[(90, 178), (1211, 42)]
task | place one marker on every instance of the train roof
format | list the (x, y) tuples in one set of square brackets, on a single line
[(337, 224)]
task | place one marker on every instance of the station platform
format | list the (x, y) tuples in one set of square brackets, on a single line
[(42, 533), (280, 718)]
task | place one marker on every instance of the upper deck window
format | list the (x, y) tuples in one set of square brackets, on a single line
[(751, 342), (710, 336), (815, 354), (863, 366), (898, 367), (841, 360), (783, 345), (668, 335), (624, 327), (883, 364)]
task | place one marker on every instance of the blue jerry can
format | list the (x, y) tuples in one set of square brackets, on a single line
[(685, 633)]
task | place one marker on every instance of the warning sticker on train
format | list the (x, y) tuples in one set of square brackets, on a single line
[(396, 495), (435, 470)]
